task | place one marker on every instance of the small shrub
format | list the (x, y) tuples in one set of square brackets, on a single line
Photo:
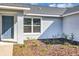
[(43, 51), (23, 45), (20, 46), (47, 41), (34, 45)]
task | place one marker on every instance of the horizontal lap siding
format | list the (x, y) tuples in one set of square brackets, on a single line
[(71, 25)]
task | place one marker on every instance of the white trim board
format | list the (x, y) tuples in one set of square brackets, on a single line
[(14, 8), (71, 13), (30, 14)]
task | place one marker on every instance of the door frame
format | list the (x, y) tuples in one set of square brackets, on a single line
[(15, 28)]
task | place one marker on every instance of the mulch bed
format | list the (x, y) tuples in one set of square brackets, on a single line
[(38, 48)]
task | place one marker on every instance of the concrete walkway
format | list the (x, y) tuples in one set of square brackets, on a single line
[(6, 49)]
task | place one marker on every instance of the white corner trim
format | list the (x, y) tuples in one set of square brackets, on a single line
[(15, 8), (30, 14), (70, 13)]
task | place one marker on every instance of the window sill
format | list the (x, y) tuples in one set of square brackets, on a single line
[(32, 33)]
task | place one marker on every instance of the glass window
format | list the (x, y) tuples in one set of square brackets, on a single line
[(32, 25), (36, 21), (27, 21), (36, 28), (27, 29)]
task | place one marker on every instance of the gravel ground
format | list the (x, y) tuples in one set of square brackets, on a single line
[(38, 48)]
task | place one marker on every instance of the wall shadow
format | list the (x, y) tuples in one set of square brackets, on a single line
[(55, 29)]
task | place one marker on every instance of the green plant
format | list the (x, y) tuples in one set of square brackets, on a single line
[(20, 46), (72, 36), (64, 35), (47, 41), (43, 50)]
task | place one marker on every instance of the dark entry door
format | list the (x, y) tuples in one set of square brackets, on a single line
[(7, 27)]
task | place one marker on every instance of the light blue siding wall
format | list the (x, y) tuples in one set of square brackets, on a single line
[(71, 25), (53, 30)]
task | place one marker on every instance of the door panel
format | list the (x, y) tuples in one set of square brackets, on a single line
[(7, 27)]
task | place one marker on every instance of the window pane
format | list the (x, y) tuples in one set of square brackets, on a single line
[(27, 29), (36, 28), (36, 21), (27, 21)]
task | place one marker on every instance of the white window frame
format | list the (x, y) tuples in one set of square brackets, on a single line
[(15, 27), (27, 25), (33, 25)]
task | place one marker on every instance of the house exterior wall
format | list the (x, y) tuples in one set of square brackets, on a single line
[(20, 36), (71, 25), (0, 26), (50, 27), (18, 19)]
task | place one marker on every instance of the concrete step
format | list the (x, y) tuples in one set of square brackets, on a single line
[(6, 49)]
